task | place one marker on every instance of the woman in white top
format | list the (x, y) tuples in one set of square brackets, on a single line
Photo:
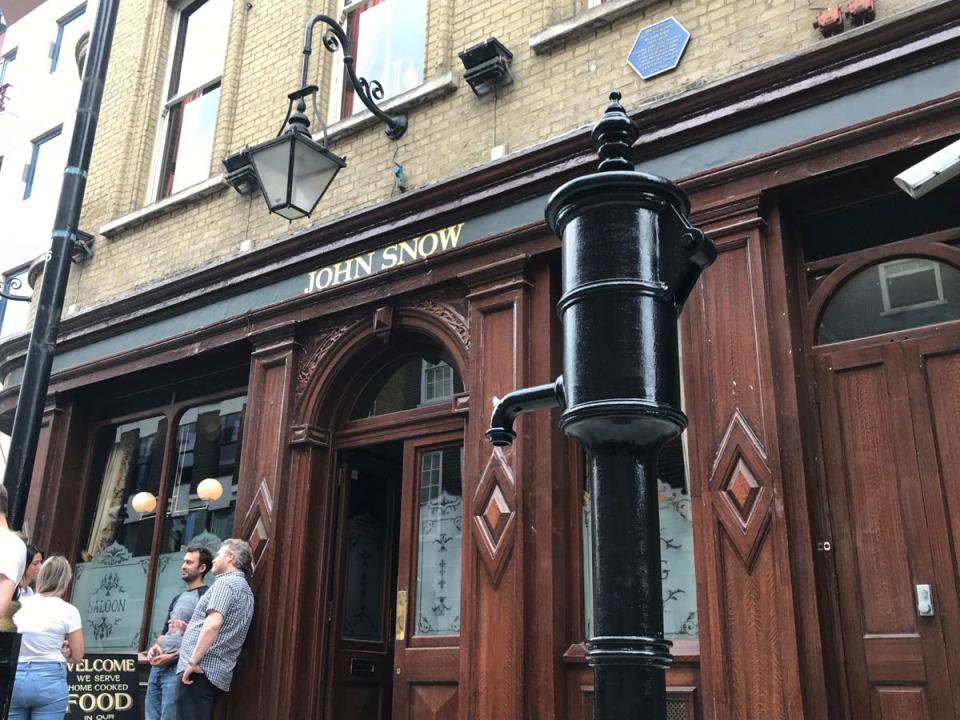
[(45, 620), (34, 561)]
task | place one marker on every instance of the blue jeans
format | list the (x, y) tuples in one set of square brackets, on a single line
[(39, 691), (161, 702)]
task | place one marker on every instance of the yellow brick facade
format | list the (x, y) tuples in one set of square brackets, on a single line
[(553, 92)]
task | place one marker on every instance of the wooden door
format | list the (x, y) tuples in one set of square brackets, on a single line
[(361, 655), (427, 633), (887, 531)]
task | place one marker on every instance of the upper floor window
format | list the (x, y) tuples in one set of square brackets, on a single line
[(193, 94), (68, 32), (6, 67), (41, 171), (388, 38)]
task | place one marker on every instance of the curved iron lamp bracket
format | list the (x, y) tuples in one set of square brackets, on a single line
[(369, 92), (13, 283)]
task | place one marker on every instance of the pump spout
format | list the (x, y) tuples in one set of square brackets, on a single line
[(506, 409)]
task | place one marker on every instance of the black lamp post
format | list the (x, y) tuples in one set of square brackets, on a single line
[(292, 169), (630, 259), (68, 242)]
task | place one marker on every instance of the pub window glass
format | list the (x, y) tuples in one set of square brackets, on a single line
[(207, 446), (676, 544), (111, 576), (415, 383), (891, 296), (440, 529)]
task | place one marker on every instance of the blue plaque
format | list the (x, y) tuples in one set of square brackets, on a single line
[(658, 48)]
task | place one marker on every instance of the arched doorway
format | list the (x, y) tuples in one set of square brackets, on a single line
[(395, 533), (882, 328)]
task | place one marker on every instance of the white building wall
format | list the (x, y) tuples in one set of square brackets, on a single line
[(37, 102)]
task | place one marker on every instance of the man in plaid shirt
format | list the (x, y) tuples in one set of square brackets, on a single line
[(215, 633)]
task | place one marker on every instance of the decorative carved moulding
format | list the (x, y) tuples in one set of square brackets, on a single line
[(448, 315), (310, 435), (317, 349)]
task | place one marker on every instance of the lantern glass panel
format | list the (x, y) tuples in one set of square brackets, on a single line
[(272, 164), (313, 170)]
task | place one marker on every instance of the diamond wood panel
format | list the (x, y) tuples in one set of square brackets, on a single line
[(256, 523), (433, 702), (494, 517), (741, 483)]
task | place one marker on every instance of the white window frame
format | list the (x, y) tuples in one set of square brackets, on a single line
[(889, 270), (163, 112), (56, 47), (427, 369), (6, 60), (337, 79)]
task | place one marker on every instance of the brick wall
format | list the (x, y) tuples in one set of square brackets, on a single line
[(552, 93)]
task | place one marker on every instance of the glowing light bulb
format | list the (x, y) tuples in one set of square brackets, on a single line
[(209, 489), (144, 502)]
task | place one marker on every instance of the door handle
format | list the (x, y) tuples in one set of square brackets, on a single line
[(401, 614), (924, 601)]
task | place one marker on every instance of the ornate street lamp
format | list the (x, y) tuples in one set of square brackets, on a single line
[(293, 170), (630, 259)]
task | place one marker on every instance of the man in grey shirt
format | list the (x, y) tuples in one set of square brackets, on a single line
[(160, 703), (216, 633)]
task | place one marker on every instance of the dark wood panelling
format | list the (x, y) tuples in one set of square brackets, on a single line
[(261, 499), (432, 702), (900, 703), (492, 634), (935, 404), (744, 586), (750, 620), (58, 482)]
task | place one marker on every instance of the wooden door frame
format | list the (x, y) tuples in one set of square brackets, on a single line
[(423, 426)]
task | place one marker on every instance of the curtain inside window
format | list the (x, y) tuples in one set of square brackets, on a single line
[(110, 503)]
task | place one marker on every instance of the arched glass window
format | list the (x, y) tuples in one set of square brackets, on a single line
[(409, 383), (891, 296)]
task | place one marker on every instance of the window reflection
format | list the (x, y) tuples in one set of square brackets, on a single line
[(891, 296), (415, 383), (119, 552), (208, 441), (111, 578), (388, 39)]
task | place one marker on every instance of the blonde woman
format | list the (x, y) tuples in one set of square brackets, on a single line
[(46, 620)]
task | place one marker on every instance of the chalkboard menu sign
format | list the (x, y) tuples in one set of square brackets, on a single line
[(103, 687)]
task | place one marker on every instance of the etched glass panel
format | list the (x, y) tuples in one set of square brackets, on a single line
[(366, 558), (440, 526), (679, 586), (891, 296)]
